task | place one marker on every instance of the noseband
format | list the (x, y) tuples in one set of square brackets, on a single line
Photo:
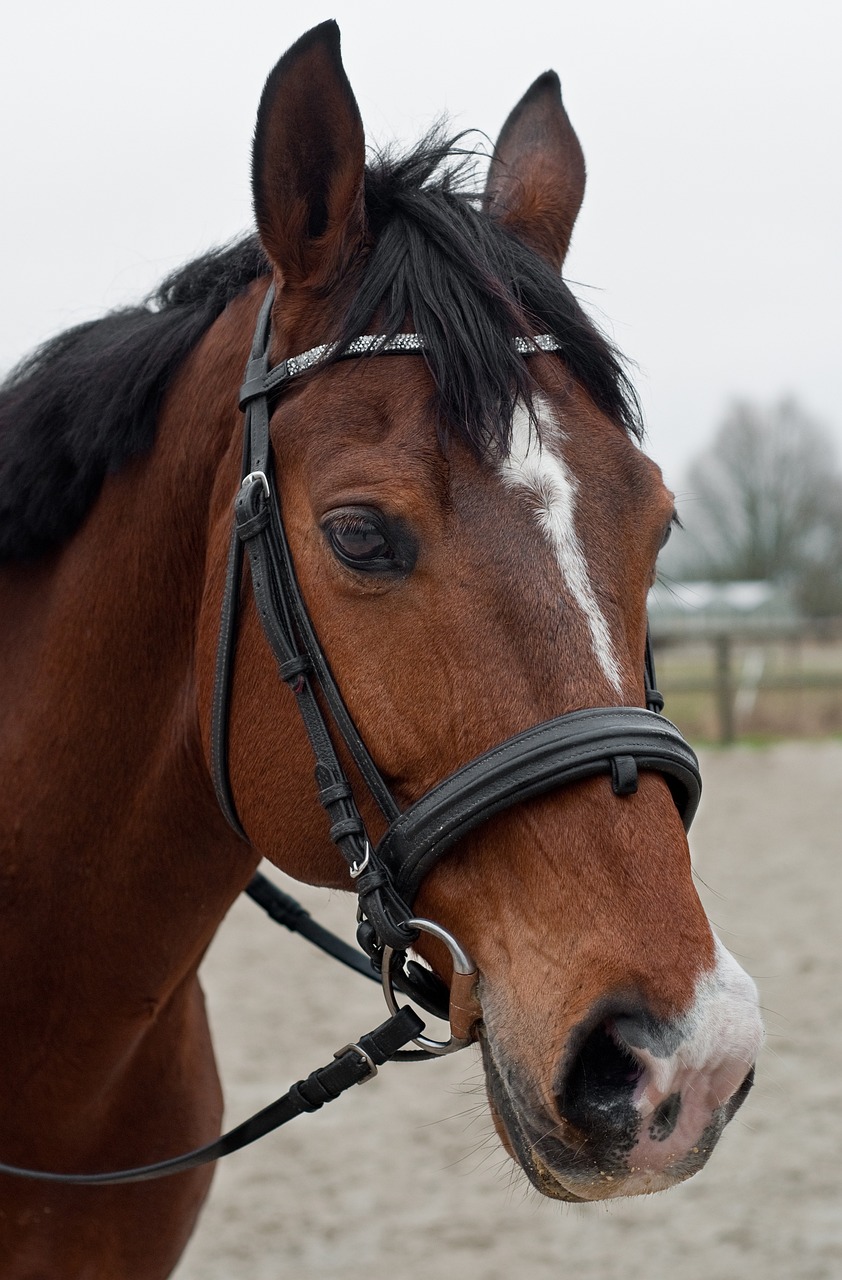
[(612, 741)]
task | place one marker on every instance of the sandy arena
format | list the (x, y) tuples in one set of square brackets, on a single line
[(405, 1178)]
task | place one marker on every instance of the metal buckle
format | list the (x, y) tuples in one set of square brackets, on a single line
[(367, 1059), (357, 868), (464, 1006), (256, 475)]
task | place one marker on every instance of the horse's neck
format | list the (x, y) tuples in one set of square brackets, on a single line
[(106, 792)]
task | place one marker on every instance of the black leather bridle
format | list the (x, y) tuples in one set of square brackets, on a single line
[(616, 741), (612, 741)]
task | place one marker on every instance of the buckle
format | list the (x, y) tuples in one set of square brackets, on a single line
[(250, 479), (357, 868), (367, 1059)]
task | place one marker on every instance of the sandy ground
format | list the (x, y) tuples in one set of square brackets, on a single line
[(404, 1178)]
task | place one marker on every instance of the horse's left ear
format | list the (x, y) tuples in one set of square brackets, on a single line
[(537, 177), (308, 163)]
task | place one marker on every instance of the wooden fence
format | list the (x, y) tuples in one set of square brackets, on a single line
[(726, 681)]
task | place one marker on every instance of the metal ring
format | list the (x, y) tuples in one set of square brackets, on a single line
[(256, 475), (463, 969)]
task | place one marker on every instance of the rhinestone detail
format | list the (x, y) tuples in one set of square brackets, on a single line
[(379, 344)]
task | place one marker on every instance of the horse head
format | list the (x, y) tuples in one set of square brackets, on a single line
[(474, 532)]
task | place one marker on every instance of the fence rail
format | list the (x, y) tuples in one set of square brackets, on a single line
[(780, 679)]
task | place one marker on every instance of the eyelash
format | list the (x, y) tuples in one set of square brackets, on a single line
[(364, 541)]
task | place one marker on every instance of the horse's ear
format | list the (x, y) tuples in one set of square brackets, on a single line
[(308, 163), (537, 177)]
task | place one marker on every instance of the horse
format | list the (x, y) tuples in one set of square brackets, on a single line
[(472, 528)]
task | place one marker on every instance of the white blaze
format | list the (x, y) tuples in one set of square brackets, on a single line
[(531, 465)]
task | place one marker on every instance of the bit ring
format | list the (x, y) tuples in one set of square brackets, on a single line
[(464, 1006)]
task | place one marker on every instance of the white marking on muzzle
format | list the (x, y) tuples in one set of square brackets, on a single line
[(531, 466), (722, 1036)]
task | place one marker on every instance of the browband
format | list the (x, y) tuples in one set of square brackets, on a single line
[(368, 344)]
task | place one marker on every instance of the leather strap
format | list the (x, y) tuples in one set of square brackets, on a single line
[(259, 524), (221, 710), (413, 980), (551, 755), (654, 699), (286, 601), (352, 1065), (283, 909)]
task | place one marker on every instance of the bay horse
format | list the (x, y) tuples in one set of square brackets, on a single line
[(473, 529)]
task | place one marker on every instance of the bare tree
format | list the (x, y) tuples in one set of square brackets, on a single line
[(765, 501)]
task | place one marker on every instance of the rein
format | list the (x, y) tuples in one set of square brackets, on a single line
[(613, 741)]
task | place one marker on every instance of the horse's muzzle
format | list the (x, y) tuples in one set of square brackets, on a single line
[(636, 1104)]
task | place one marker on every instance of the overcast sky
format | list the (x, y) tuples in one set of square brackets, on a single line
[(709, 238)]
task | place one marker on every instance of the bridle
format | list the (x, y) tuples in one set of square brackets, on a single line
[(612, 741), (617, 741)]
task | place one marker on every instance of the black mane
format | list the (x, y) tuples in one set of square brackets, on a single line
[(471, 288), (87, 401)]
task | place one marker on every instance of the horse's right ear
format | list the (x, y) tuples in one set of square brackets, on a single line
[(308, 163)]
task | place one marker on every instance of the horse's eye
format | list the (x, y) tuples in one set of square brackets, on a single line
[(674, 523), (359, 541)]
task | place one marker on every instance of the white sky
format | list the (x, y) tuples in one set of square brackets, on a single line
[(709, 237)]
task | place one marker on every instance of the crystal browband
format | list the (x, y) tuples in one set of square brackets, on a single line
[(264, 382)]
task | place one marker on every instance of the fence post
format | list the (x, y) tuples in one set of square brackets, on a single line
[(724, 688)]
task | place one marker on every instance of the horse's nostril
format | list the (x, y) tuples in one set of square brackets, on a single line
[(665, 1118), (601, 1077)]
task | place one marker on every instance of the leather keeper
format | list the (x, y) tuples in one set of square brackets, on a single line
[(465, 1008), (623, 775), (251, 526)]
